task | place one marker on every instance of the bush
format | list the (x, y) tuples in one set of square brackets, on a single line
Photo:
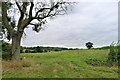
[(6, 56), (96, 62), (113, 54), (6, 51), (26, 51)]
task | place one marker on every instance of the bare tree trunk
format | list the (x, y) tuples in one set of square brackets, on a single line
[(16, 40)]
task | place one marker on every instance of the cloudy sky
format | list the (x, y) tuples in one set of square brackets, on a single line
[(95, 21)]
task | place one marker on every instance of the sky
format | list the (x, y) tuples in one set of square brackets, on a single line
[(95, 21)]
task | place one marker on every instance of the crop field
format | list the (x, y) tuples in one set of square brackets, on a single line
[(62, 64)]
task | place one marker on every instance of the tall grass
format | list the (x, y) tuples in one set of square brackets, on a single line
[(63, 64), (16, 64)]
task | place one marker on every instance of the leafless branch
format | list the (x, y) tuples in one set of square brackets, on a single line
[(18, 6), (30, 11), (4, 18), (42, 9), (21, 12)]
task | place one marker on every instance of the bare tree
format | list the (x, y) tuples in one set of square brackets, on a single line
[(28, 12)]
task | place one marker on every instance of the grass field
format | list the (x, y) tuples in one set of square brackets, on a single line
[(63, 64)]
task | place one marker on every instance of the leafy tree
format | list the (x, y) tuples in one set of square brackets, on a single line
[(38, 49), (31, 13), (89, 45)]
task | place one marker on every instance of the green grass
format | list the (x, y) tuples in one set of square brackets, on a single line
[(64, 64)]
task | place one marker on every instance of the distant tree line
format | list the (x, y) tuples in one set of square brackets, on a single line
[(6, 49), (106, 47), (40, 49)]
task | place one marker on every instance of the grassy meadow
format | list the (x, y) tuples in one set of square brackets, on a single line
[(62, 64)]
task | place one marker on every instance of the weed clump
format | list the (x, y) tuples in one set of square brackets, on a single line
[(113, 54), (16, 64), (96, 62), (26, 63)]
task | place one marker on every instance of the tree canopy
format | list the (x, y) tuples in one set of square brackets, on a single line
[(89, 45)]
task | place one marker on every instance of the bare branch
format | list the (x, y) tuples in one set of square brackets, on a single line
[(52, 8), (42, 9), (32, 24), (48, 14), (24, 24), (4, 18), (64, 9), (21, 12), (31, 8), (25, 4), (18, 6)]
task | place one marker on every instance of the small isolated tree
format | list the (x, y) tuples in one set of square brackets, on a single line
[(28, 13), (89, 45)]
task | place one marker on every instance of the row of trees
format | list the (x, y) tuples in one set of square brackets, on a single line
[(40, 49)]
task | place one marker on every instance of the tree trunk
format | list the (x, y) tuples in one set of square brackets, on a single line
[(16, 40)]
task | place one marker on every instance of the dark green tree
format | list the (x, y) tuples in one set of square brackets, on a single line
[(89, 45), (38, 49)]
